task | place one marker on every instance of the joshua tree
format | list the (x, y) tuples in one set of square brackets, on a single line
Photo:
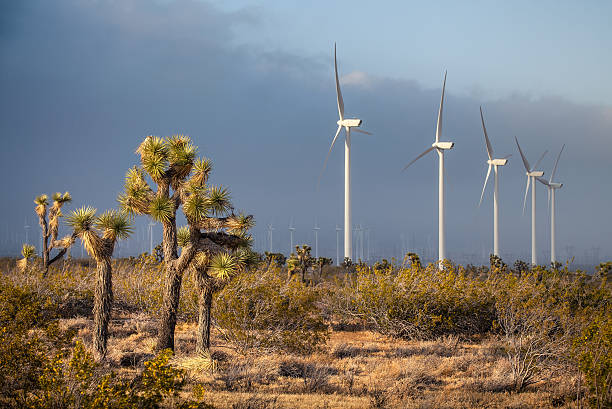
[(99, 235), (277, 258), (27, 252), (300, 262), (322, 262), (181, 180), (218, 258), (50, 229)]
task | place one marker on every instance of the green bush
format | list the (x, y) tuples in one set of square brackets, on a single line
[(28, 334), (413, 302), (593, 351), (263, 310)]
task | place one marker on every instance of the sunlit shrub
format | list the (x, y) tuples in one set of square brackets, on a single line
[(414, 302), (263, 310)]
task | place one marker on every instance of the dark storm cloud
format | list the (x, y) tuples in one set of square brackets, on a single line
[(83, 82)]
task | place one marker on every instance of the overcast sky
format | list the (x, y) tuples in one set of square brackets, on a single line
[(83, 81)]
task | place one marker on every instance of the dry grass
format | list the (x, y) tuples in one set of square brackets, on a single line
[(354, 370)]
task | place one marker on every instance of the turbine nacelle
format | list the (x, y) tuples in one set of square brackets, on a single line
[(555, 185), (349, 123), (497, 162), (443, 145), (535, 173)]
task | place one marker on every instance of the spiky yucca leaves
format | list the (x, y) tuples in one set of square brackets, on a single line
[(42, 202), (219, 200), (138, 193), (114, 225), (161, 209), (83, 221), (181, 155), (201, 170), (154, 157), (27, 251), (182, 236)]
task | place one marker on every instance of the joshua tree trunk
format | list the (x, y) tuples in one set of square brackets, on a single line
[(103, 301), (172, 288), (205, 293), (171, 297)]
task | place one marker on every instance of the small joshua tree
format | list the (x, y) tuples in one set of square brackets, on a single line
[(27, 252), (50, 228), (181, 181), (320, 263), (99, 235), (300, 261)]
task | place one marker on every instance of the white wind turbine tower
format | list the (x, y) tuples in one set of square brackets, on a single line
[(531, 178), (338, 230), (492, 163), (151, 224), (348, 124), (316, 229), (270, 229), (440, 147), (27, 229), (291, 230), (552, 186)]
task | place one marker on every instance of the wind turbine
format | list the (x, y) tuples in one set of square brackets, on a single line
[(27, 229), (492, 163), (440, 147), (531, 178), (291, 230), (151, 224), (552, 186), (270, 229), (348, 124), (338, 230), (316, 229)]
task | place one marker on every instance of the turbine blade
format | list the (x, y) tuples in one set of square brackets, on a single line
[(526, 191), (507, 156), (556, 163), (328, 153), (439, 125), (484, 128), (540, 160), (362, 131), (542, 181), (338, 92), (418, 157), (485, 185), (527, 167)]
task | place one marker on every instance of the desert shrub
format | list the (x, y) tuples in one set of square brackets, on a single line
[(540, 312), (414, 302), (28, 334), (593, 351), (265, 311), (75, 382)]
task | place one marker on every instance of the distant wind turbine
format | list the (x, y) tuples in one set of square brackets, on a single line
[(27, 229), (316, 229), (348, 124), (270, 229), (440, 147), (151, 224), (531, 177), (291, 230), (552, 186), (492, 163)]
